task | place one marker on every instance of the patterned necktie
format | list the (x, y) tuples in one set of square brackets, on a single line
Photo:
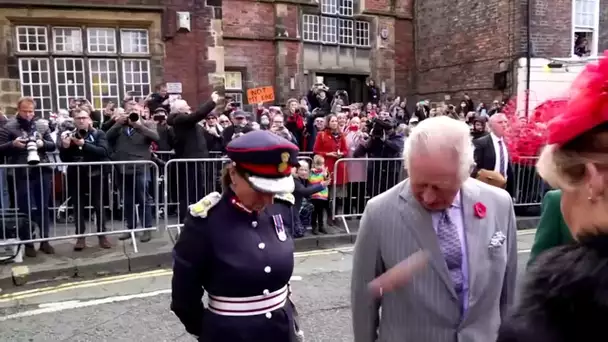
[(502, 158), (449, 243)]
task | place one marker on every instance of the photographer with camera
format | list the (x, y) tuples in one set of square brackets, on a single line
[(190, 143), (26, 140), (85, 184), (320, 97), (130, 140), (382, 141), (240, 125)]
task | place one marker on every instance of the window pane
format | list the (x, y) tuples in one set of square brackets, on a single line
[(133, 69), (585, 13), (310, 27), (67, 39), (101, 40), (234, 80), (104, 82), (329, 6), (346, 32), (69, 74), (33, 73), (237, 97), (329, 30), (32, 39), (362, 33), (134, 41), (346, 7)]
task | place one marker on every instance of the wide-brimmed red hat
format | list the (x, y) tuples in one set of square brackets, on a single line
[(587, 105)]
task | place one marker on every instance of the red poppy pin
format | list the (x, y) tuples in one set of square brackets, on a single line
[(480, 210)]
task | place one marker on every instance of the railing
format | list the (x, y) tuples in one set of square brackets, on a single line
[(356, 180), (40, 203), (65, 199)]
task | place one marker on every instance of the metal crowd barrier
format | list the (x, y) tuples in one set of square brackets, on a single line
[(360, 180), (185, 181), (57, 201)]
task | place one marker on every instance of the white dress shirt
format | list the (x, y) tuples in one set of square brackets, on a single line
[(495, 141)]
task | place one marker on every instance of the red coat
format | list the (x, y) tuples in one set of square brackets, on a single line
[(326, 143)]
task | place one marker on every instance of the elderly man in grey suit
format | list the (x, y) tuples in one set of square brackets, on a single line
[(467, 229)]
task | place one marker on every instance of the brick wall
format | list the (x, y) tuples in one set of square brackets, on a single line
[(551, 28), (603, 37), (459, 45), (175, 57)]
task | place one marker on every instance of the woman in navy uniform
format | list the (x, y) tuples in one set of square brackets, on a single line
[(235, 246)]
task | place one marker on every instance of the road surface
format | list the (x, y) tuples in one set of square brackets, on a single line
[(135, 307)]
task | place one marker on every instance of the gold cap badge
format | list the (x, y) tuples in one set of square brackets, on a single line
[(284, 159)]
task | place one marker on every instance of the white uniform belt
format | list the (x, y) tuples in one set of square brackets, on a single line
[(248, 306)]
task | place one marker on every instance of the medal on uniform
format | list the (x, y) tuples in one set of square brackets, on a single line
[(279, 227)]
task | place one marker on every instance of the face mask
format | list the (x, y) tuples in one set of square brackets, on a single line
[(265, 121)]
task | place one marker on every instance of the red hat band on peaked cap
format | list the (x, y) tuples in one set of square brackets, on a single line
[(587, 106)]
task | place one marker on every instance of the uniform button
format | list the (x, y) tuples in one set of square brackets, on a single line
[(254, 224), (267, 269), (261, 245), (266, 292), (268, 315)]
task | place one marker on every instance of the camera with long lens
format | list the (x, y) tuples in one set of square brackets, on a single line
[(133, 116), (80, 133), (379, 127), (32, 150), (159, 115)]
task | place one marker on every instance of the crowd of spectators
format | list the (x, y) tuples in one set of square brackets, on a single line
[(350, 153)]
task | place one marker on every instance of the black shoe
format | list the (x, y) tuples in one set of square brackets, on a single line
[(145, 236), (315, 230), (322, 230)]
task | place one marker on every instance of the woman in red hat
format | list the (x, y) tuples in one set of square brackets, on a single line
[(566, 294)]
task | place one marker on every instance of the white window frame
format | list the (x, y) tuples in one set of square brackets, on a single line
[(80, 48), (310, 27), (329, 30), (74, 86), (346, 8), (27, 27), (115, 45), (40, 109), (141, 94), (123, 40), (237, 97), (238, 77), (330, 7), (103, 99), (593, 28), (47, 93), (346, 32), (362, 34)]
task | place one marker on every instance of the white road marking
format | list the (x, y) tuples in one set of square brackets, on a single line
[(61, 306), (295, 278)]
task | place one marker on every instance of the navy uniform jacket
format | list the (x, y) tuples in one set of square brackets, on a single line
[(233, 252)]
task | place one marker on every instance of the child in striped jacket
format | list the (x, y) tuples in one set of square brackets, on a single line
[(320, 200)]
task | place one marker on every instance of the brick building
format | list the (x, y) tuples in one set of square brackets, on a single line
[(461, 45), (100, 49)]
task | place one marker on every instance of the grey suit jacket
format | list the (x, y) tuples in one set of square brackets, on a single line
[(394, 226)]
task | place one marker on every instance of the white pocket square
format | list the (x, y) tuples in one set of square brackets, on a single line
[(497, 240)]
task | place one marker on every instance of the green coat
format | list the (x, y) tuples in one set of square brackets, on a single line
[(552, 231)]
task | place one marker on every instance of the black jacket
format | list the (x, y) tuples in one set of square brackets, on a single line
[(564, 298), (485, 158), (303, 189), (95, 149), (13, 130), (190, 139)]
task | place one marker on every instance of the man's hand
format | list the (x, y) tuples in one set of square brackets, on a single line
[(137, 124), (122, 119), (66, 141), (19, 143), (399, 275), (39, 143), (215, 97), (78, 142), (332, 154)]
